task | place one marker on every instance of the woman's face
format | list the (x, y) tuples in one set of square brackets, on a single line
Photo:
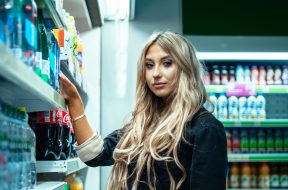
[(160, 71)]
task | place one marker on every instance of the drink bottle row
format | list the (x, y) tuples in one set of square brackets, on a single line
[(34, 39), (239, 108), (258, 175), (55, 137), (257, 141), (17, 150), (257, 74)]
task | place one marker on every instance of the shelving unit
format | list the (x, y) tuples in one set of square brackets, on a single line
[(258, 157), (20, 86), (271, 89), (62, 166), (51, 185), (247, 124), (276, 109)]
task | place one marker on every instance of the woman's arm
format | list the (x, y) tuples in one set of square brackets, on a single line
[(81, 127), (209, 159)]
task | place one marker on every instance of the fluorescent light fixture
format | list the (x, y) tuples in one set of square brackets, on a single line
[(116, 9), (242, 55)]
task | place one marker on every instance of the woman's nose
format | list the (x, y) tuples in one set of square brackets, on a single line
[(157, 72)]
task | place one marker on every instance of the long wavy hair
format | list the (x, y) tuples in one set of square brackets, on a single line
[(155, 129)]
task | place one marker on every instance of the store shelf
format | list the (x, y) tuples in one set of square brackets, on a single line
[(254, 189), (232, 56), (51, 185), (67, 73), (264, 123), (20, 86), (271, 89), (258, 157), (61, 166), (54, 14)]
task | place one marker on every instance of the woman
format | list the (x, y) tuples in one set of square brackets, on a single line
[(171, 141)]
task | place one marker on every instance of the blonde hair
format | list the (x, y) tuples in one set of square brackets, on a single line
[(155, 129)]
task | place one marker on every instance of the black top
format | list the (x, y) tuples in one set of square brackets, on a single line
[(205, 158)]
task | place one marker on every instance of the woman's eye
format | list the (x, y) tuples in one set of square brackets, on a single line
[(148, 65), (167, 63)]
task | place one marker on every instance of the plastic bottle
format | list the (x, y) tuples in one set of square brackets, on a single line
[(270, 75), (270, 141), (262, 75), (252, 141), (215, 75), (239, 74), (277, 75), (274, 175), (244, 143), (15, 20), (232, 77), (253, 176), (255, 74), (29, 32), (5, 9), (261, 144), (245, 175), (214, 101), (283, 175), (285, 141), (278, 141), (251, 111), (235, 175), (264, 176), (229, 141), (284, 77), (247, 74), (233, 107), (235, 141), (222, 106), (224, 75), (45, 70)]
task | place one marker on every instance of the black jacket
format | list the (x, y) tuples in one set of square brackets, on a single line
[(205, 158)]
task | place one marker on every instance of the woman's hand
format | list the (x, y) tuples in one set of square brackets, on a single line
[(67, 89)]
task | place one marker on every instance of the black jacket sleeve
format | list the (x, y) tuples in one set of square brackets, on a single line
[(209, 159), (105, 158)]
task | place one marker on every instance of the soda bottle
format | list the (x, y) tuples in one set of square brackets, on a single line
[(229, 141), (66, 140), (235, 175), (274, 177), (73, 153), (264, 177), (283, 175), (252, 141), (270, 141), (245, 175), (278, 141), (235, 141), (261, 144), (5, 10), (244, 141), (285, 141), (239, 74)]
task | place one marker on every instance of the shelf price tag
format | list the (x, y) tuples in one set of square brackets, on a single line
[(241, 89)]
